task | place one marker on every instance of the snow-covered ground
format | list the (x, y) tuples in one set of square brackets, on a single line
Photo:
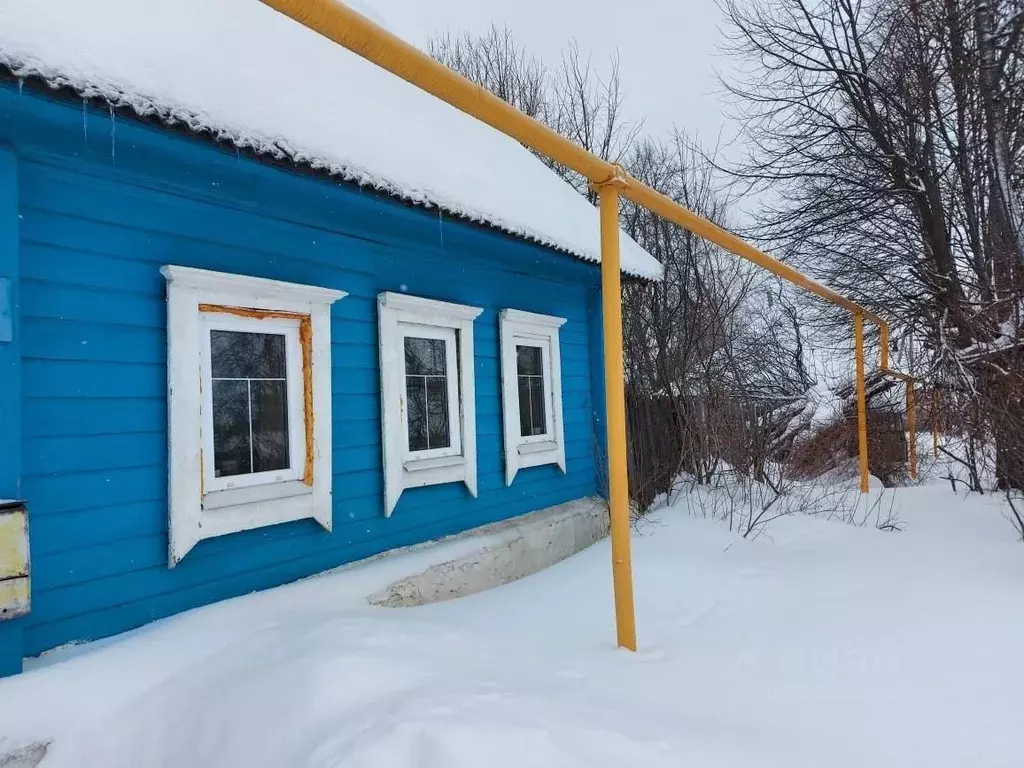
[(819, 644)]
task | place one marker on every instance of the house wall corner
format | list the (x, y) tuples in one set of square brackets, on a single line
[(11, 630), (595, 342)]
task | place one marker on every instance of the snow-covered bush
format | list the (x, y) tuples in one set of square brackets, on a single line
[(749, 506)]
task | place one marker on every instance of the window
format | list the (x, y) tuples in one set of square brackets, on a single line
[(531, 391), (249, 404), (428, 412), (431, 388), (252, 409)]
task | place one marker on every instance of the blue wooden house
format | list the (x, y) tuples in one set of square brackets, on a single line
[(264, 310)]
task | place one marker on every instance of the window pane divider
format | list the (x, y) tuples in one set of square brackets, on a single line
[(246, 378), (248, 403)]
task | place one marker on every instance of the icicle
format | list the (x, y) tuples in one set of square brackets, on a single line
[(440, 226), (113, 135), (21, 84), (85, 120)]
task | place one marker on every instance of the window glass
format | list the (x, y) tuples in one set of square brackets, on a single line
[(269, 402), (426, 389), (530, 370), (238, 355), (250, 402), (231, 454)]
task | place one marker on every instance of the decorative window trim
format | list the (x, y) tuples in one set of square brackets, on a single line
[(399, 315), (197, 512), (516, 328)]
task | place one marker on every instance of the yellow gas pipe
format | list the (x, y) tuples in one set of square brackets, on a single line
[(339, 23), (862, 410), (615, 395), (911, 427)]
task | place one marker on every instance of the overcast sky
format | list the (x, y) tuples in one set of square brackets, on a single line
[(667, 48)]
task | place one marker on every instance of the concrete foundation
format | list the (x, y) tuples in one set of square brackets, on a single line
[(508, 551)]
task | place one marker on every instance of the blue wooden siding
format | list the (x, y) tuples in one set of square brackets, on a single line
[(102, 207), (12, 630)]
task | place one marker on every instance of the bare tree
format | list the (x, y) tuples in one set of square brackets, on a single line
[(495, 61), (890, 132), (706, 353), (997, 35), (586, 107), (576, 99)]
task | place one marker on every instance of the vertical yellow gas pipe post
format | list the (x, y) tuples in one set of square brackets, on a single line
[(912, 428), (884, 342), (862, 400), (615, 399)]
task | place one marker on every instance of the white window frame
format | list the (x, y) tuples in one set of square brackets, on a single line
[(543, 343), (401, 316), (518, 328), (202, 506), (289, 328), (450, 339)]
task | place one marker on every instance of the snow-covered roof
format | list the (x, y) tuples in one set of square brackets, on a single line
[(241, 72)]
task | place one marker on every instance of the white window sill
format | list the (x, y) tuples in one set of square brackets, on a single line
[(538, 454), (438, 462), (417, 473), (258, 514), (232, 497), (527, 449)]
